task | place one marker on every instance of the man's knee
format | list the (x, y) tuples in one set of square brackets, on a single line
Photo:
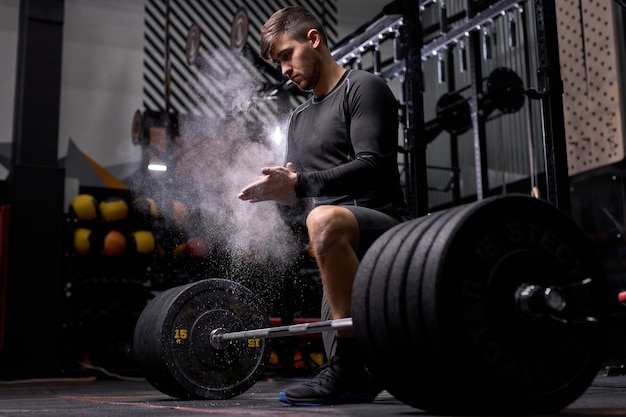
[(329, 224)]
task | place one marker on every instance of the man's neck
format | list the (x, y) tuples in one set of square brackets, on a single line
[(329, 79)]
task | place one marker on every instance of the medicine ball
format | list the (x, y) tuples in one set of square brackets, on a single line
[(197, 247), (114, 243), (180, 213), (84, 207), (180, 250), (171, 242), (113, 209), (82, 243), (146, 208), (142, 242)]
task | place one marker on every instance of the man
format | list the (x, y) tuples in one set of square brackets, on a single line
[(340, 176)]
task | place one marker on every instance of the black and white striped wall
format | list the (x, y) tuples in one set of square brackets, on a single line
[(195, 50)]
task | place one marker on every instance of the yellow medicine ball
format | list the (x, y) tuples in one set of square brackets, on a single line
[(82, 245), (142, 241), (113, 209), (84, 207), (180, 250)]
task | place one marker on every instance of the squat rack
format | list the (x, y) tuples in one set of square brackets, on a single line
[(401, 22)]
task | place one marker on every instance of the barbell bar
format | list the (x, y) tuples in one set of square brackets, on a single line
[(532, 302), (220, 337), (503, 298)]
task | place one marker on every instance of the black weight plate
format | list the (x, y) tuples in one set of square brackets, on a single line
[(147, 344), (418, 288), (369, 305), (414, 265), (472, 270), (378, 305), (506, 90), (361, 293), (172, 340), (454, 113), (426, 359), (410, 357)]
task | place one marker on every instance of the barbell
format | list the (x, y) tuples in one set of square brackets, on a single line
[(494, 307)]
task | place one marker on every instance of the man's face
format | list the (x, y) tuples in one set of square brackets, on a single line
[(297, 60)]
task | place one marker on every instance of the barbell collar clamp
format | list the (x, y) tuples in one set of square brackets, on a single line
[(220, 338), (534, 301)]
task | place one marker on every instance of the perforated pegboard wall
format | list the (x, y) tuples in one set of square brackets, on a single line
[(590, 73)]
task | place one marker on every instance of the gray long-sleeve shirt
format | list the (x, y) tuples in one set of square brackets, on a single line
[(344, 146)]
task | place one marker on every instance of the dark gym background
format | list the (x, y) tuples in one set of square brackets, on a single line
[(95, 91)]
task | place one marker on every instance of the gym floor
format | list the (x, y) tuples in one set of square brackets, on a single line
[(95, 397)]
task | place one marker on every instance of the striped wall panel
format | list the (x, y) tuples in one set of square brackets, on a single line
[(224, 79)]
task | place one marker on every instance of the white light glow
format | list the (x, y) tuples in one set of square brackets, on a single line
[(277, 137), (157, 167)]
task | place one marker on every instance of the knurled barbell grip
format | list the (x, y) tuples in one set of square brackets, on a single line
[(220, 337)]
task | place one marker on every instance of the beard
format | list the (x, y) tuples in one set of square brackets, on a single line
[(304, 84), (307, 79)]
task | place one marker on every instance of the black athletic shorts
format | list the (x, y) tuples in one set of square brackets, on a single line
[(372, 224)]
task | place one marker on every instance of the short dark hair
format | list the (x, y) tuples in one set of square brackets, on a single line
[(292, 20)]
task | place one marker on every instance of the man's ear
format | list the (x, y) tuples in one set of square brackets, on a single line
[(314, 37)]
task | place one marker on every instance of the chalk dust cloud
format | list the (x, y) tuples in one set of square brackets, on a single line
[(216, 156)]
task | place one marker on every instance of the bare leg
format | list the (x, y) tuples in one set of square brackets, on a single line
[(334, 236)]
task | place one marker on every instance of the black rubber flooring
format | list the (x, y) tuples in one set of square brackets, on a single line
[(94, 397)]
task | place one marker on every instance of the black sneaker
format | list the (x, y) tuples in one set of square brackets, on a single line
[(333, 384)]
